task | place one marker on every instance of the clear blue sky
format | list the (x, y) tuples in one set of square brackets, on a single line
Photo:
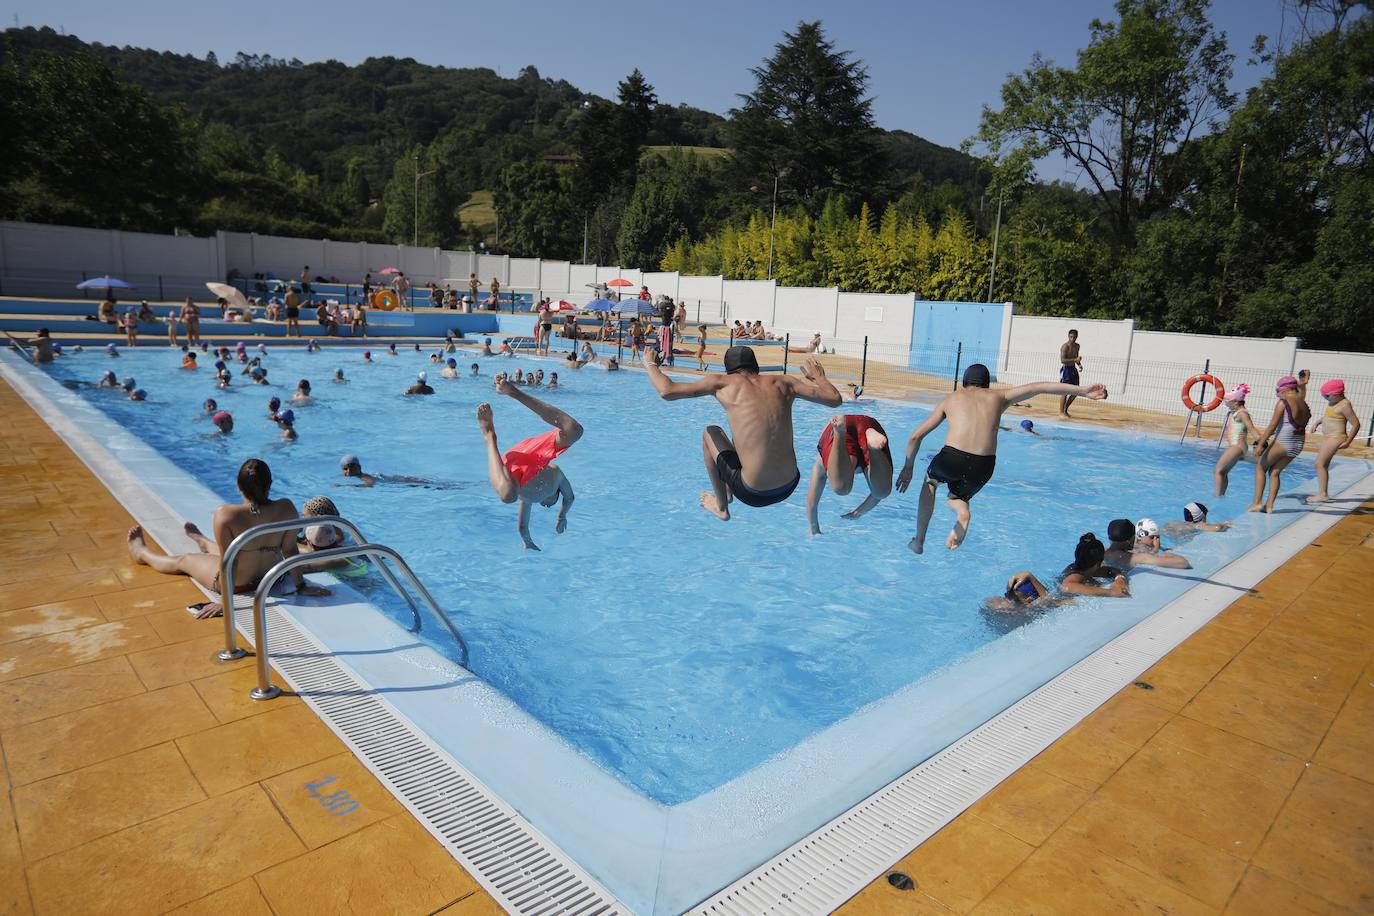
[(932, 65)]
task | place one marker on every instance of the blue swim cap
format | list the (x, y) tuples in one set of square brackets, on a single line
[(219, 364), (273, 404), (286, 416), (452, 363), (210, 405), (108, 373), (128, 383), (1027, 425), (57, 348), (138, 394)]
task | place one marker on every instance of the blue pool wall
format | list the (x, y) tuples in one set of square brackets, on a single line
[(938, 329)]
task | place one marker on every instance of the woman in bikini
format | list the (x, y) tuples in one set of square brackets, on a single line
[(1237, 433), (1282, 440), (254, 560), (1340, 425)]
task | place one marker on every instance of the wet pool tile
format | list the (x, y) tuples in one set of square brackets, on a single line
[(74, 647), (43, 619), (64, 811), (166, 862)]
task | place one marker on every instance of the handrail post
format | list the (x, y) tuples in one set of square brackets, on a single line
[(786, 348), (958, 361), (266, 690), (863, 367)]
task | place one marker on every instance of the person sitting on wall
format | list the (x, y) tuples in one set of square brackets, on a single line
[(107, 311)]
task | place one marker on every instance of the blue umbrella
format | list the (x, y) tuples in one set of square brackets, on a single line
[(635, 306), (600, 305), (105, 282)]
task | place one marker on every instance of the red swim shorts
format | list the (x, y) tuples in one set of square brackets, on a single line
[(532, 455)]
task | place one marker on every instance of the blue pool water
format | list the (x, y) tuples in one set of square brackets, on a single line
[(676, 651)]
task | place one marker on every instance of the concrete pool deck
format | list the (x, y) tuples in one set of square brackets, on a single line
[(140, 778)]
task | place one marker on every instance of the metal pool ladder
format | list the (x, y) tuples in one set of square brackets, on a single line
[(375, 552)]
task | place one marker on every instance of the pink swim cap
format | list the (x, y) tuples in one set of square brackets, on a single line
[(220, 418), (1287, 383), (1238, 393), (1335, 386)]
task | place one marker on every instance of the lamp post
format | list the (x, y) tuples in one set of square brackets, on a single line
[(415, 240), (772, 223)]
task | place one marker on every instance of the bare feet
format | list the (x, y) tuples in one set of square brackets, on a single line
[(917, 545), (837, 424), (956, 536), (137, 545), (484, 419), (1064, 416), (709, 503), (201, 541), (1318, 499), (1257, 507)]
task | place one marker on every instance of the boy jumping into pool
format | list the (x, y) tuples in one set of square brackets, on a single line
[(850, 442), (526, 472), (966, 462), (759, 468)]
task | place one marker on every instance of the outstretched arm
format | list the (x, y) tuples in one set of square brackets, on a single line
[(913, 445), (566, 491), (670, 390), (816, 387), (1059, 389), (522, 521)]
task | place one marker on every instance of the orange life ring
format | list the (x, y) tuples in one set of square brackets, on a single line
[(384, 300), (1216, 399)]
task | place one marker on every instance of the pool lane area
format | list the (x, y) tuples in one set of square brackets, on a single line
[(60, 503)]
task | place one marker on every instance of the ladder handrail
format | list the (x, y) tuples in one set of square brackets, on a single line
[(265, 689), (232, 650)]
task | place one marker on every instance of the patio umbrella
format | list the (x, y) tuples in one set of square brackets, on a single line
[(230, 294), (562, 305), (601, 305), (635, 306), (620, 281), (388, 270), (106, 283)]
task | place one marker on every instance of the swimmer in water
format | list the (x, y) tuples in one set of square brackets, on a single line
[(273, 405), (1282, 440), (436, 357), (225, 379), (759, 465), (849, 443), (367, 356), (539, 377), (224, 422), (111, 351), (526, 472), (286, 422), (450, 369), (855, 392), (1024, 592), (486, 348), (339, 376), (519, 376), (505, 348), (1079, 577), (210, 408), (475, 370), (1194, 521), (303, 395), (108, 380), (138, 394), (188, 360), (390, 349), (128, 384), (1339, 425), (259, 375), (966, 462), (553, 380), (421, 385), (1029, 427), (1137, 544), (1236, 431), (351, 466)]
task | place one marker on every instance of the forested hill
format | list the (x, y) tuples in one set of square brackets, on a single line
[(347, 127)]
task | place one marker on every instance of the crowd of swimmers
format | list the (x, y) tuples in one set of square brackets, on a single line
[(756, 464)]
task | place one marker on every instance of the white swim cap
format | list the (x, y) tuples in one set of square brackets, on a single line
[(1146, 528)]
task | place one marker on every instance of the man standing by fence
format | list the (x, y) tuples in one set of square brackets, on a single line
[(1070, 364)]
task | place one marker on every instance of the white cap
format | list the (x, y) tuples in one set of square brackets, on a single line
[(1146, 528), (420, 376)]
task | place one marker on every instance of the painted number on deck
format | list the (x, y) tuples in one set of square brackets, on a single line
[(337, 803)]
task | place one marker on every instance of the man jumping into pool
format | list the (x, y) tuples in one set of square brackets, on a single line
[(850, 442), (966, 462), (759, 468), (527, 472)]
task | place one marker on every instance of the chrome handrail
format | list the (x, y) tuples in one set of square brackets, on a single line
[(266, 690), (231, 649)]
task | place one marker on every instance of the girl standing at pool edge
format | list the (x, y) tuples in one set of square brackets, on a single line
[(1340, 425), (1282, 440), (1237, 432)]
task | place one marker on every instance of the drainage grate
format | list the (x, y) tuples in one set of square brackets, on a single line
[(513, 861)]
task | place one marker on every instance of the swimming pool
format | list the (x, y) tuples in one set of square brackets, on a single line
[(737, 680)]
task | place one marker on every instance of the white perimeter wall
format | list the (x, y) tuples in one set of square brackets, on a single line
[(885, 319)]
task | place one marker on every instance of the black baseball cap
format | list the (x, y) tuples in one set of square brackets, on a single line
[(977, 376), (741, 359)]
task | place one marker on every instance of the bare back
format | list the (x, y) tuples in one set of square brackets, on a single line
[(262, 553), (759, 409), (972, 415)]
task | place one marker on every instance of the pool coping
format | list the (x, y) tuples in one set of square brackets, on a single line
[(826, 867)]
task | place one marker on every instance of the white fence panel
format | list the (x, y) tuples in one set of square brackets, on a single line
[(343, 260), (661, 283), (554, 276), (524, 273), (581, 277), (885, 319), (750, 300), (805, 309), (492, 265)]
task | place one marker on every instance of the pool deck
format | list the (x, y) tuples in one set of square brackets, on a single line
[(140, 778)]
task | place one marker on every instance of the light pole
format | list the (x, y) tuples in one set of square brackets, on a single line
[(772, 223), (415, 240), (996, 237)]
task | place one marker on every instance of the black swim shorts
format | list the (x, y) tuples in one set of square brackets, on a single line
[(728, 467), (1068, 375), (965, 474)]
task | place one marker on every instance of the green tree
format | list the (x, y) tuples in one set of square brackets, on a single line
[(534, 201), (438, 208), (1143, 87), (808, 121), (637, 101)]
